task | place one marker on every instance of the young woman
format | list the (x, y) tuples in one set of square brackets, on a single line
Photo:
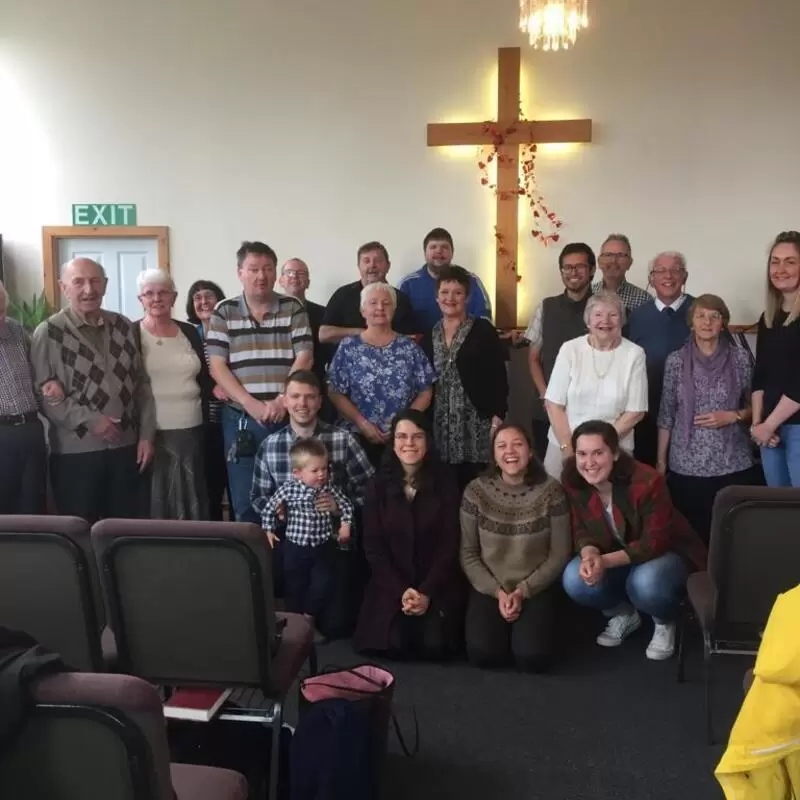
[(515, 541), (413, 604), (705, 403), (635, 550), (471, 393), (598, 376), (201, 301), (776, 378)]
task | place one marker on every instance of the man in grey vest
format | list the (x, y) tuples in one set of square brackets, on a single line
[(557, 320)]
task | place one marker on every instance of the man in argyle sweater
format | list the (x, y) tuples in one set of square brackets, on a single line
[(102, 430)]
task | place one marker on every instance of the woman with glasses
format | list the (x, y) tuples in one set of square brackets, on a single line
[(173, 358), (705, 404)]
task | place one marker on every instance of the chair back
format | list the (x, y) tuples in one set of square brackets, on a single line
[(189, 602), (754, 556), (89, 736), (49, 586)]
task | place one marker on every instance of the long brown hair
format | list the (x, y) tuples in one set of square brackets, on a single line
[(774, 297)]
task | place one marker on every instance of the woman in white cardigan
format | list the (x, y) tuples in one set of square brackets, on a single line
[(601, 376)]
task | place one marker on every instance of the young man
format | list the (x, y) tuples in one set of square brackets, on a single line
[(343, 312), (659, 327), (420, 286), (614, 262), (102, 432), (557, 320), (254, 342)]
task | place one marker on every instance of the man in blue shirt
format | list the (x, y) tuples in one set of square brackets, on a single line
[(420, 286)]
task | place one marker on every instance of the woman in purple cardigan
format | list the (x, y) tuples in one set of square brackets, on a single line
[(413, 604)]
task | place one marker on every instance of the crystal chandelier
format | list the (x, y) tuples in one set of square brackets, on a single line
[(553, 24)]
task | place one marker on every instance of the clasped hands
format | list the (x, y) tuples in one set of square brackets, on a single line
[(510, 604), (266, 410), (764, 435), (414, 603), (592, 567)]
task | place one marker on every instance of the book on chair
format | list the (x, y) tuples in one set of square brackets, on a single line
[(199, 705)]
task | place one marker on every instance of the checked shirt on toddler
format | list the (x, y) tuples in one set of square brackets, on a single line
[(305, 526)]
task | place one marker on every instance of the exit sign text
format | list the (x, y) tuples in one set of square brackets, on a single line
[(103, 214)]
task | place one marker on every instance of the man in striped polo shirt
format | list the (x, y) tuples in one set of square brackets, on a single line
[(254, 341)]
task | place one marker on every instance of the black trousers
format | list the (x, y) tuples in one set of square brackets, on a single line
[(98, 485), (694, 497), (424, 638), (645, 439), (465, 473), (216, 469), (528, 642), (23, 469), (539, 430), (307, 575)]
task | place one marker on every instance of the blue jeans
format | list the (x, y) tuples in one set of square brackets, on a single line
[(781, 464), (656, 587), (240, 472)]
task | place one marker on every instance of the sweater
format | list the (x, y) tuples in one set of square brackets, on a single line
[(776, 370), (514, 536)]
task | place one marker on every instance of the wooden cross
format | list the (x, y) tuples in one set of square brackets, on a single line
[(475, 133)]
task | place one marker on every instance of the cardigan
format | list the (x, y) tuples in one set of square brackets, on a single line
[(481, 365), (644, 515), (514, 536), (776, 370)]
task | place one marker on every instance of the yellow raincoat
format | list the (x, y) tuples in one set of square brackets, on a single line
[(762, 761)]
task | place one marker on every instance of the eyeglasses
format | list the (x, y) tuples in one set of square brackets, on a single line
[(615, 256), (155, 295), (294, 273), (708, 316), (575, 268), (667, 271)]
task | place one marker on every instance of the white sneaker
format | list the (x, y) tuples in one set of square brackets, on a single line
[(662, 645), (619, 628)]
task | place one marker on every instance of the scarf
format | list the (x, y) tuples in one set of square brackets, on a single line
[(715, 367)]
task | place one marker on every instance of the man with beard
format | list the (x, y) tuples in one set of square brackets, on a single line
[(102, 430), (555, 321), (254, 342), (343, 312), (420, 286)]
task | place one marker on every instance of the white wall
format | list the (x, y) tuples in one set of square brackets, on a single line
[(303, 123)]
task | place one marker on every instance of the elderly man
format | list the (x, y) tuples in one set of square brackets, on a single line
[(23, 463), (420, 286), (102, 431), (557, 320), (659, 326), (615, 260), (254, 342), (343, 312)]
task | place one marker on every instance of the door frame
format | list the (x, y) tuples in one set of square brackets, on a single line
[(52, 235)]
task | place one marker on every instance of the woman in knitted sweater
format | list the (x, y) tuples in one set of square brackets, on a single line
[(515, 542)]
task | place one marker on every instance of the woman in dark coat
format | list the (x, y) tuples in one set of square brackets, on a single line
[(471, 393), (413, 604)]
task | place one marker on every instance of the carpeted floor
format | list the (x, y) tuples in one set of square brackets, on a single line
[(603, 724)]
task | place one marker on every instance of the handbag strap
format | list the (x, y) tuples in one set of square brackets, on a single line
[(408, 752)]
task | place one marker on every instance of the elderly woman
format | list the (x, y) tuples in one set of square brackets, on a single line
[(413, 604), (515, 542), (702, 436), (377, 374), (201, 301), (471, 393), (174, 359), (776, 377), (634, 548), (597, 376)]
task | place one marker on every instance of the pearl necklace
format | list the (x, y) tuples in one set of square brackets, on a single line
[(597, 372)]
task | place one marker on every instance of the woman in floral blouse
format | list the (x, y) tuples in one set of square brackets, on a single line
[(470, 399), (703, 444), (375, 375)]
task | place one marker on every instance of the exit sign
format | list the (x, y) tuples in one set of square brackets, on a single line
[(103, 214)]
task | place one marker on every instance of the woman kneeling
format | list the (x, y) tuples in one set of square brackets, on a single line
[(635, 550), (515, 541)]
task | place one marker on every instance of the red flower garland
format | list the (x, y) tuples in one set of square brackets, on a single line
[(546, 223)]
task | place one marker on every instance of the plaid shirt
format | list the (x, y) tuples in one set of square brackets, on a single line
[(350, 467), (305, 526), (16, 375), (631, 296)]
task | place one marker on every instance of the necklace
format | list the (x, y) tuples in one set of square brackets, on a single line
[(598, 374)]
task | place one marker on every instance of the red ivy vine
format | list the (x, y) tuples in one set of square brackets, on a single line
[(546, 223)]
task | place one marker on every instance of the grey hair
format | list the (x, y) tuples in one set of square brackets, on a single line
[(618, 237), (159, 277), (679, 257), (375, 287), (611, 299)]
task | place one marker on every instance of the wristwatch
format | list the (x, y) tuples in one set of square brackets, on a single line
[(563, 447)]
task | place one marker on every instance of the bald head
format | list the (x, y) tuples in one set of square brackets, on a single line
[(295, 278), (83, 284)]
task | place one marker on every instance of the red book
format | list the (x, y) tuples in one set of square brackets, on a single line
[(200, 705)]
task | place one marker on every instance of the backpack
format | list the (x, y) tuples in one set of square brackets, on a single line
[(22, 660)]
